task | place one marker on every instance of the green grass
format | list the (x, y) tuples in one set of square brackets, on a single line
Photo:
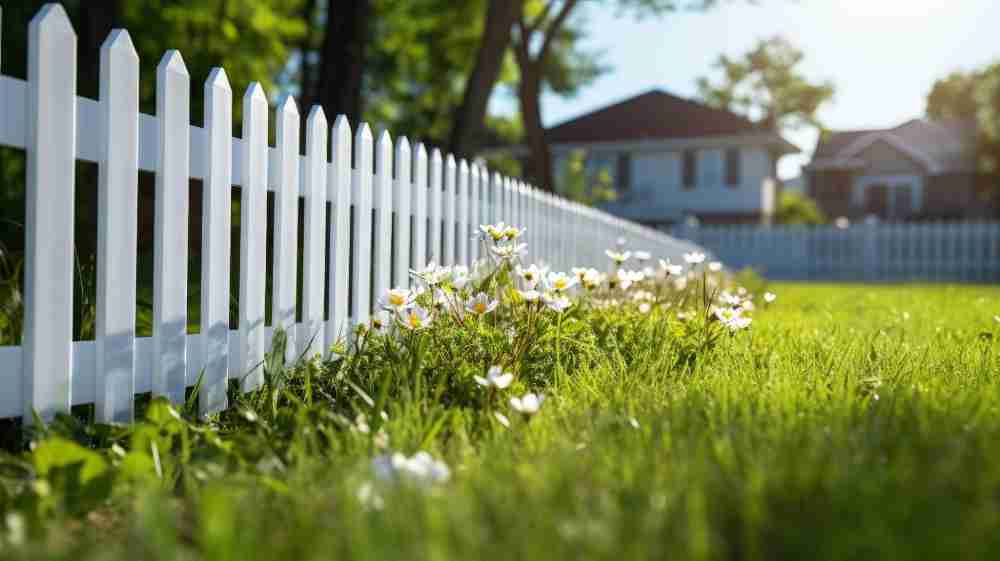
[(850, 422)]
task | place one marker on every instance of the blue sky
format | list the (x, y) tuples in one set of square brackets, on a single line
[(882, 55)]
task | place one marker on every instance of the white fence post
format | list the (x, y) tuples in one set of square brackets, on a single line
[(217, 191), (402, 204), (313, 338), (117, 231), (361, 191), (284, 271), (463, 213), (170, 242), (448, 258), (434, 212), (420, 209), (48, 274), (339, 192), (382, 252), (253, 237)]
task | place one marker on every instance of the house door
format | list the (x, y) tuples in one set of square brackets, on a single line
[(877, 200)]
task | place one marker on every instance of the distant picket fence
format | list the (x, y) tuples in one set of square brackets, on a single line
[(963, 252), (408, 208)]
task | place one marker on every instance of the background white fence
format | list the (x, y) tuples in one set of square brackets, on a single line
[(408, 207), (967, 252)]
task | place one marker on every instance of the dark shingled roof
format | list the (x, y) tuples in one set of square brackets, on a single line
[(950, 143), (651, 115)]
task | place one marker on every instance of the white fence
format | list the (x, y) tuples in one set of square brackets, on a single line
[(967, 252), (408, 207)]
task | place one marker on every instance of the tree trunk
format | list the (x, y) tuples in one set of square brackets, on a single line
[(97, 19), (466, 133), (342, 59), (529, 95)]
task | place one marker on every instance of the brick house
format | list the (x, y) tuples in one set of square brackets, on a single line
[(919, 170)]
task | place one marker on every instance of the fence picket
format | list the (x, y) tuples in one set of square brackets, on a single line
[(420, 208), (382, 252), (253, 238), (170, 241), (286, 218), (448, 257), (339, 192), (402, 191), (474, 214), (435, 209), (463, 213), (215, 252), (48, 276), (118, 176), (361, 193), (314, 234)]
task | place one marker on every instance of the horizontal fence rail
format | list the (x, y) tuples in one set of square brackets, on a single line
[(961, 252), (371, 207)]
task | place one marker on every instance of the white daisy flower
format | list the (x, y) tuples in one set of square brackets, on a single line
[(770, 297), (527, 405), (502, 419), (380, 321), (509, 251), (421, 468), (495, 378), (715, 266), (618, 257), (559, 282), (530, 275), (643, 256), (481, 304), (396, 298), (694, 258), (415, 318), (511, 233), (460, 276), (671, 269)]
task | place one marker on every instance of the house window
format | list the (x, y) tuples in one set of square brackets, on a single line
[(690, 169), (733, 167), (624, 172)]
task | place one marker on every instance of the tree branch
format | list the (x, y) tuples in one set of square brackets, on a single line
[(553, 29)]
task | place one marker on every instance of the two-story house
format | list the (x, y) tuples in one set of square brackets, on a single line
[(672, 158)]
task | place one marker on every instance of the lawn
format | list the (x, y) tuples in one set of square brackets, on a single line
[(848, 422)]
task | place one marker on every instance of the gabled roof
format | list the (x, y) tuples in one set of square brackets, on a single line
[(655, 114), (940, 146)]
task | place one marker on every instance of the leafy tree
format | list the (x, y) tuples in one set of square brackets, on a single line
[(796, 208), (972, 96), (767, 83)]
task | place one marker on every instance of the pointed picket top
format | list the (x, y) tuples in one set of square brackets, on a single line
[(172, 63), (119, 44), (363, 147), (254, 93), (51, 20), (463, 166), (402, 157), (384, 147), (436, 156), (421, 151), (450, 162), (342, 129), (217, 80), (287, 106), (316, 118)]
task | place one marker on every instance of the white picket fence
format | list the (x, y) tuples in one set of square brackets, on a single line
[(408, 207), (964, 252)]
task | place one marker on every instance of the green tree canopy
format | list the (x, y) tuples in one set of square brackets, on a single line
[(766, 83), (973, 96)]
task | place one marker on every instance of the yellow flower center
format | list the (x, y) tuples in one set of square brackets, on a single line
[(415, 321), (397, 299), (560, 284), (480, 307), (529, 276)]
